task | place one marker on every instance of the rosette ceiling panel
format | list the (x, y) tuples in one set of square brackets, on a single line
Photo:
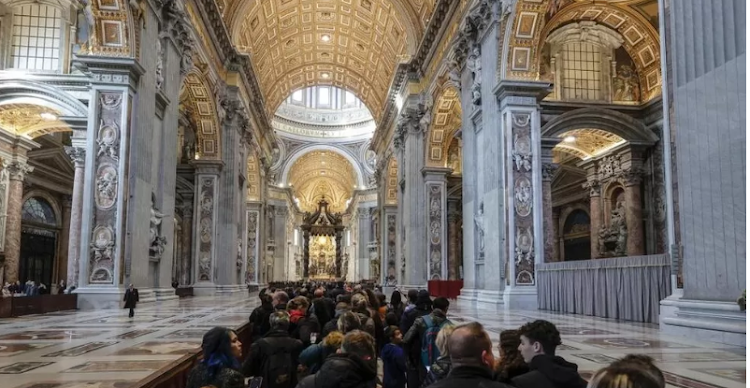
[(352, 44)]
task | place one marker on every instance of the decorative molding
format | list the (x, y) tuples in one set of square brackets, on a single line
[(435, 231), (523, 200), (17, 170)]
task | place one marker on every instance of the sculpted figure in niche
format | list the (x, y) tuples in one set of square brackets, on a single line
[(613, 239), (479, 222)]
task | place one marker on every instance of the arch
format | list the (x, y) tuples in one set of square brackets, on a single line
[(321, 147), (445, 123), (608, 120), (578, 247), (301, 43), (201, 104), (16, 91), (529, 27), (50, 200)]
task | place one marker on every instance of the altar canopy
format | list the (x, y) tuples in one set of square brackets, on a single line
[(322, 231)]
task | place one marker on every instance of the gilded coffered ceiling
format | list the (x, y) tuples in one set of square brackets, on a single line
[(447, 120), (585, 143), (30, 120), (319, 174), (352, 44)]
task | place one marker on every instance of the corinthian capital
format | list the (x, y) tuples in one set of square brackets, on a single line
[(548, 170), (17, 170), (594, 187), (77, 155)]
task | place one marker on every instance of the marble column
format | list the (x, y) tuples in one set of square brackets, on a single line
[(525, 233), (411, 128), (634, 212), (437, 230), (556, 235), (63, 258), (17, 173), (454, 215), (78, 156), (548, 171), (186, 258), (252, 259), (363, 252), (388, 245), (595, 211)]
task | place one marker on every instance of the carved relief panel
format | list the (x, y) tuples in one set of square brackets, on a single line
[(252, 246), (102, 246), (523, 198), (435, 231), (391, 249), (206, 215)]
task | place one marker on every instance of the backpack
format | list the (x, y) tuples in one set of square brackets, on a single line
[(430, 352), (278, 368)]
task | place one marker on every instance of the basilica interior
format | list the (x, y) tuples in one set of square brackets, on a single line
[(573, 156)]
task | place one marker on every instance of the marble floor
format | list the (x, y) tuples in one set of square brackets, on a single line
[(106, 349)]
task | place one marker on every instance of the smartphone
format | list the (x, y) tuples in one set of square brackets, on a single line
[(255, 382), (313, 338)]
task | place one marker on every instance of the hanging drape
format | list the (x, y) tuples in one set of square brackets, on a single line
[(627, 288)]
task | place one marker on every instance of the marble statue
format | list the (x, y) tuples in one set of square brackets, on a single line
[(626, 84), (159, 64), (613, 238), (479, 222), (157, 241)]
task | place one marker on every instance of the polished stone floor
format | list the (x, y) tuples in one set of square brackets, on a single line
[(106, 349)]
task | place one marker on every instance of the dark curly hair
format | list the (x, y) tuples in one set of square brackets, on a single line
[(511, 361), (543, 332)]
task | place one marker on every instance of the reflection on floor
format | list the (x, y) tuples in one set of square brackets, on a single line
[(82, 349)]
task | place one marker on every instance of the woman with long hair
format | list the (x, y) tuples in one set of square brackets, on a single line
[(303, 326), (220, 366), (511, 363), (632, 371), (397, 305)]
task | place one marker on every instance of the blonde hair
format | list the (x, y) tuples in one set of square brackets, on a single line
[(623, 375), (442, 339), (334, 339)]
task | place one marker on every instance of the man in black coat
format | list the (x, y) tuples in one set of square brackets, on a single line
[(415, 374), (275, 351), (471, 359), (354, 366), (260, 315), (131, 298), (539, 340), (279, 301)]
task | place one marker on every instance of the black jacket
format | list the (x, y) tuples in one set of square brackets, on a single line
[(469, 376), (260, 320), (438, 371), (226, 378), (342, 371), (303, 328), (261, 350), (131, 298), (550, 372)]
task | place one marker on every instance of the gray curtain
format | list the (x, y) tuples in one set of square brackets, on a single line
[(627, 288)]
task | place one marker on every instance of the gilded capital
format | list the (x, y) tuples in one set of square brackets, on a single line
[(77, 155)]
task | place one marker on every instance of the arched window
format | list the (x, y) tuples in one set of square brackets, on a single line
[(37, 210), (582, 71), (36, 37)]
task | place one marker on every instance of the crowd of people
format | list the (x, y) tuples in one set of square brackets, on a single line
[(29, 288), (337, 336)]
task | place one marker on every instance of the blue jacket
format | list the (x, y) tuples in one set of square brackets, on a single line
[(394, 366)]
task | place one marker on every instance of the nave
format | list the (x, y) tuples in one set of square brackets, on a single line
[(105, 349)]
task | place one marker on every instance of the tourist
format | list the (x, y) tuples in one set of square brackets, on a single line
[(313, 357), (332, 325), (362, 309), (354, 366), (275, 356), (397, 305), (394, 360), (220, 365), (348, 322), (471, 359), (321, 308), (259, 318), (61, 287), (279, 300), (632, 371), (411, 296), (442, 366), (422, 335), (539, 340), (131, 299), (511, 363), (304, 327), (641, 362), (422, 306)]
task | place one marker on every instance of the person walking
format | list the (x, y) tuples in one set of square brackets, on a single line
[(131, 298)]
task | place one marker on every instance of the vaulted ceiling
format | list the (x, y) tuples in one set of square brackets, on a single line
[(30, 120), (320, 174), (353, 44), (585, 143)]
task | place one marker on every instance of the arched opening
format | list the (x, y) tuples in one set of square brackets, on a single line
[(39, 236), (576, 236)]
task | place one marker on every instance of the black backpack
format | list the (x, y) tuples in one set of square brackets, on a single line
[(278, 369)]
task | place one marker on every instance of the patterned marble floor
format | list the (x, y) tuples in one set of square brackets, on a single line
[(105, 349)]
